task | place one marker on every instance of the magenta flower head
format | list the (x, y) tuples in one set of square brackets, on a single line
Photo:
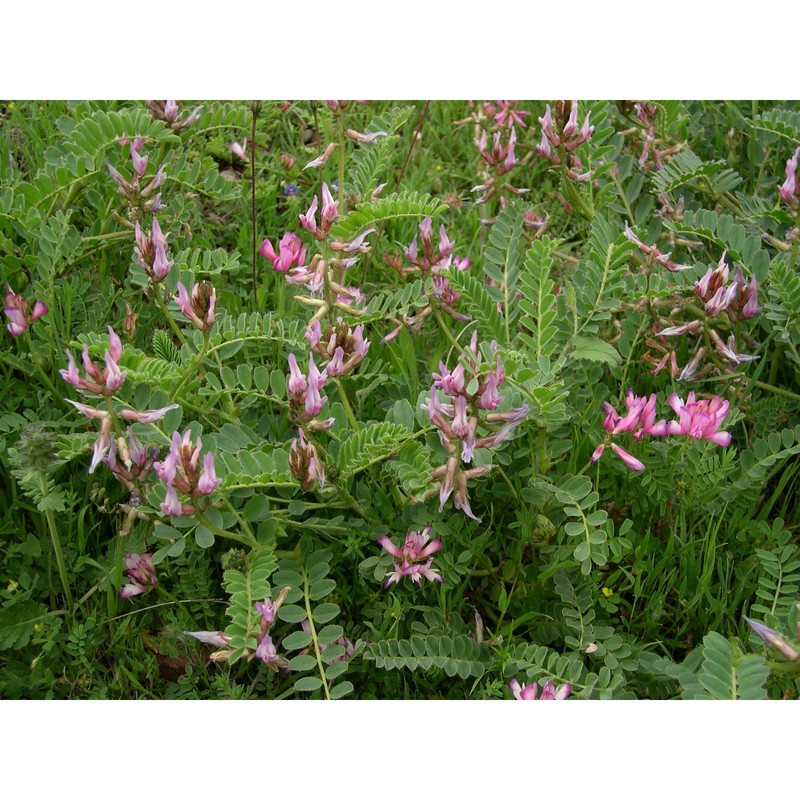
[(530, 691), (198, 307), (699, 419), (416, 548), (17, 309), (291, 252), (330, 209), (106, 382), (141, 573)]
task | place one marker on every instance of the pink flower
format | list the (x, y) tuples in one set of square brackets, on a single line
[(699, 419), (321, 159), (106, 382), (530, 691), (141, 573), (330, 208), (415, 548), (240, 149), (199, 307), (267, 651), (171, 507), (309, 219), (156, 415), (208, 480), (789, 188), (509, 114), (291, 252), (17, 309)]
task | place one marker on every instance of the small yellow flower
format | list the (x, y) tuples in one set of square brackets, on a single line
[(439, 168), (607, 592)]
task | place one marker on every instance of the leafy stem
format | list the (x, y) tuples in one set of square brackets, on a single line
[(313, 629)]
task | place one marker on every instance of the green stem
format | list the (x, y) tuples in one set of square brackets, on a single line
[(317, 651), (175, 329), (340, 126), (446, 330), (775, 389), (346, 403), (62, 566), (224, 534), (190, 370), (253, 204)]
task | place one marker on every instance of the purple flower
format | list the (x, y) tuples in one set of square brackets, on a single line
[(290, 190), (415, 548), (141, 573), (267, 651), (529, 691), (773, 639)]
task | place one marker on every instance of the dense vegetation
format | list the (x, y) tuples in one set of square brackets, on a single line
[(396, 400)]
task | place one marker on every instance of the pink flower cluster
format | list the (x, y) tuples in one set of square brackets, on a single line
[(132, 190), (435, 263), (646, 113), (330, 211), (291, 252), (529, 691), (181, 471), (167, 111), (699, 419), (342, 348), (198, 307), (739, 300), (458, 422), (266, 649), (18, 311), (141, 572), (103, 383), (151, 252), (305, 403), (305, 400), (414, 557), (136, 461), (561, 136)]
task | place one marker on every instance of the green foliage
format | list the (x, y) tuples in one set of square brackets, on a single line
[(370, 445), (538, 302), (371, 161), (456, 656), (18, 623), (725, 233), (727, 675), (398, 206), (686, 168), (247, 587)]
